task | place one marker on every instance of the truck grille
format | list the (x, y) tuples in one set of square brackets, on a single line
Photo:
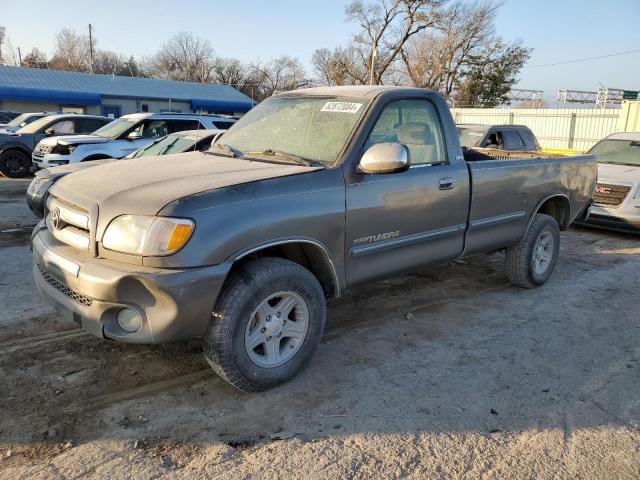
[(610, 195), (62, 288), (69, 224)]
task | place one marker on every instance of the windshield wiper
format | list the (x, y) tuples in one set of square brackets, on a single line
[(229, 150), (307, 162)]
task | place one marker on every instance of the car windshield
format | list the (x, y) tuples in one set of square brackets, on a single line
[(308, 127), (170, 144), (25, 117), (470, 138), (622, 152), (116, 128)]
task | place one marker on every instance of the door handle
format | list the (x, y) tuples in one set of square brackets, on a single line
[(445, 183)]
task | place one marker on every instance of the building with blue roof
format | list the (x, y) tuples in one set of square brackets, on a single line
[(33, 89)]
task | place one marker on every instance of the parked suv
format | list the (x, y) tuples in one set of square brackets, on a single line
[(121, 137), (23, 120), (500, 137), (16, 147)]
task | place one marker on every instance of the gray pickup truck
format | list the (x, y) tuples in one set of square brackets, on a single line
[(311, 193)]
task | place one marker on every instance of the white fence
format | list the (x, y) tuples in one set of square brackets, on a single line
[(577, 129)]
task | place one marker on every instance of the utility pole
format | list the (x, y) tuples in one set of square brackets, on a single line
[(19, 57), (90, 48), (373, 62)]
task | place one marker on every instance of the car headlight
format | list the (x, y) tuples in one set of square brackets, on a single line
[(148, 236)]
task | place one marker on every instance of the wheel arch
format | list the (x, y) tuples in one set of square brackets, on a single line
[(307, 252), (556, 206), (16, 146)]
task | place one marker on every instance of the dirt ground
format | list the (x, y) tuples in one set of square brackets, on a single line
[(447, 373)]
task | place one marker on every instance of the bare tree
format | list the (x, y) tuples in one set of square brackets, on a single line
[(71, 52), (35, 59), (437, 58), (343, 66), (3, 34), (232, 71), (184, 57), (280, 74), (385, 26)]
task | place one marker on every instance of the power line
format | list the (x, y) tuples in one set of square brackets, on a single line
[(628, 52)]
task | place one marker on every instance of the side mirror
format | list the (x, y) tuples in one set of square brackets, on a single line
[(134, 135), (49, 132), (385, 158)]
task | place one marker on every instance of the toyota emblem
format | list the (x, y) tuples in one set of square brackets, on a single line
[(56, 223)]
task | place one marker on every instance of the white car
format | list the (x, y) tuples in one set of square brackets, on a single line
[(121, 137), (617, 196)]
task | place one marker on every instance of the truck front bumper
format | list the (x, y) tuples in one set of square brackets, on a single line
[(172, 304)]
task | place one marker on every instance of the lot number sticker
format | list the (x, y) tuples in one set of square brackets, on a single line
[(342, 107)]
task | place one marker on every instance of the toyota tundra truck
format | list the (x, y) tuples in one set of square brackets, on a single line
[(311, 193)]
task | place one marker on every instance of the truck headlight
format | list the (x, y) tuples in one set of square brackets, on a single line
[(148, 236)]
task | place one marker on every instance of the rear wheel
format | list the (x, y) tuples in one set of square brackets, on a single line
[(531, 262), (267, 323), (14, 163)]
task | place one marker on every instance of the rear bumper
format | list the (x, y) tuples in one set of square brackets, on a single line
[(173, 304)]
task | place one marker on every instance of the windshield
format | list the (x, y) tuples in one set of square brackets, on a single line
[(470, 138), (25, 117), (622, 152), (116, 128), (170, 144), (309, 127)]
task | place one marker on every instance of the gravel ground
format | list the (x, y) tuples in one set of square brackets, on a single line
[(447, 373)]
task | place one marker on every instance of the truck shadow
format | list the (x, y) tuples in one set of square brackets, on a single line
[(451, 349)]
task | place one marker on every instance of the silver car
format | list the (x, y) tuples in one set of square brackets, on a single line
[(617, 196)]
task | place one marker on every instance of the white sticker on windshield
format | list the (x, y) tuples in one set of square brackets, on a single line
[(342, 107)]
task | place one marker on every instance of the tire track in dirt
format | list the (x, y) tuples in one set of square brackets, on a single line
[(41, 340)]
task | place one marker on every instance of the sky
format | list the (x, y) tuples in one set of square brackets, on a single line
[(558, 31)]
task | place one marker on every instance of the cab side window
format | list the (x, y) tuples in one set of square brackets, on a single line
[(512, 140), (414, 123)]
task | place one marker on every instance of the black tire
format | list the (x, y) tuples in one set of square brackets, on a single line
[(14, 164), (245, 290), (521, 265)]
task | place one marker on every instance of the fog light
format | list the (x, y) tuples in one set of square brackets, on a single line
[(129, 320)]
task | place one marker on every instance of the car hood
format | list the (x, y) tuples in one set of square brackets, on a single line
[(80, 139), (618, 173), (145, 185)]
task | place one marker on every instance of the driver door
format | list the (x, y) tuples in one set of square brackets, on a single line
[(399, 221)]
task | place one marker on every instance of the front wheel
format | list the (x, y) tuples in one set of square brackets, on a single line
[(531, 262), (14, 163), (266, 324)]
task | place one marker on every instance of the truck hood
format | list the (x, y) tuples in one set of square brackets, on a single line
[(144, 185), (625, 174)]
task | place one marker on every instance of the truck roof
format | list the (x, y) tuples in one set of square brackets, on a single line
[(364, 91)]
